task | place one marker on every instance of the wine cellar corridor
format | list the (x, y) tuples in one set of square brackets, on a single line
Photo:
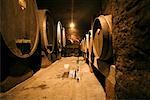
[(74, 50)]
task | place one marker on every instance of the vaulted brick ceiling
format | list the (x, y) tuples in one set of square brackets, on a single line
[(84, 12)]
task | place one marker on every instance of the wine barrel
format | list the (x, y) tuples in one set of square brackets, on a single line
[(102, 38), (108, 19), (59, 39), (87, 41), (20, 36), (63, 42), (63, 37), (90, 41), (59, 35), (87, 47), (47, 30), (83, 45), (90, 45)]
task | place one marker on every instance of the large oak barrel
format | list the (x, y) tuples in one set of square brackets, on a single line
[(102, 46), (90, 45), (83, 45), (48, 36), (90, 40), (63, 37), (47, 30), (108, 19), (20, 37), (59, 35), (63, 42), (87, 47), (87, 41), (59, 39)]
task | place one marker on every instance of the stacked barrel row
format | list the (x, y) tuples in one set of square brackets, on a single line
[(28, 36), (98, 52), (97, 43), (53, 37)]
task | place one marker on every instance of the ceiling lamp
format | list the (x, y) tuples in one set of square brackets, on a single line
[(72, 25)]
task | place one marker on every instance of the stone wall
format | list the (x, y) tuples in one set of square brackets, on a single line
[(131, 43)]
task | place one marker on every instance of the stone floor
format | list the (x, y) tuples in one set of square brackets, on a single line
[(50, 84)]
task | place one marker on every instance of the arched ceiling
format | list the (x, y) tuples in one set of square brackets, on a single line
[(84, 12)]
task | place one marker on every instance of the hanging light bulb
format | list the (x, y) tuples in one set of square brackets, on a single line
[(72, 25)]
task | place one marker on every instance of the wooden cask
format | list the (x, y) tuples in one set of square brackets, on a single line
[(102, 44), (19, 37)]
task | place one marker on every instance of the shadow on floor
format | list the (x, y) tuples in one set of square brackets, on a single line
[(100, 77), (102, 71)]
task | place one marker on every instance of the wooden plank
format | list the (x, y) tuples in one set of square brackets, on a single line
[(48, 84)]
